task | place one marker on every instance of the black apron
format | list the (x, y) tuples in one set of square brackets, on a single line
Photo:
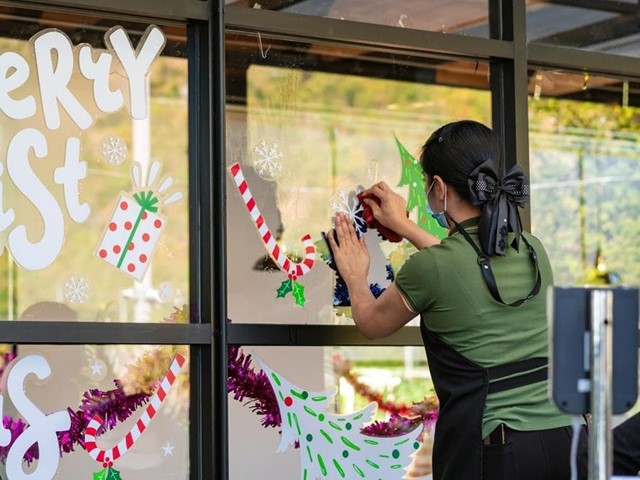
[(462, 387)]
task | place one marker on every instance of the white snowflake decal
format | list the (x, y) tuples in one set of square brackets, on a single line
[(76, 290), (114, 150), (267, 165), (166, 292), (349, 204)]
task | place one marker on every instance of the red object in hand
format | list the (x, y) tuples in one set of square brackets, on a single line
[(368, 217)]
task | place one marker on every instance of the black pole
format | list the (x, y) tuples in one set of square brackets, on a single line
[(218, 292)]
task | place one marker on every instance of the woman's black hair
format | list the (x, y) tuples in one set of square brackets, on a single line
[(454, 150), (467, 155)]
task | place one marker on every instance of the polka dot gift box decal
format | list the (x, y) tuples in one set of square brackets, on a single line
[(133, 231), (332, 447)]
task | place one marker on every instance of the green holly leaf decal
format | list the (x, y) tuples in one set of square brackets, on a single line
[(113, 474), (284, 288), (107, 474), (298, 294)]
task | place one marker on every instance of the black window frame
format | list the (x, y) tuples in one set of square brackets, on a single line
[(510, 57)]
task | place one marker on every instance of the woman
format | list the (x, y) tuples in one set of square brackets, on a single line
[(481, 297)]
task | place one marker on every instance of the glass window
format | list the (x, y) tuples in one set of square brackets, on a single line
[(64, 397), (468, 17), (305, 135), (584, 142), (94, 174), (601, 25), (337, 382)]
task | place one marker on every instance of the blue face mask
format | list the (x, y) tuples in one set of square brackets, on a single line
[(439, 217)]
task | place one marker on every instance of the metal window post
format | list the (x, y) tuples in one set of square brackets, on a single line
[(600, 449)]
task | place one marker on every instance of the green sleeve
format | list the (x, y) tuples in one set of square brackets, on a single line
[(418, 280)]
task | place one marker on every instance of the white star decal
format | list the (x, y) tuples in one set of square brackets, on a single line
[(96, 368), (168, 449)]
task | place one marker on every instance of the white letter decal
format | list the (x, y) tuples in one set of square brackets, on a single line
[(53, 81), (29, 255), (69, 176), (106, 100), (42, 428), (136, 64), (16, 109)]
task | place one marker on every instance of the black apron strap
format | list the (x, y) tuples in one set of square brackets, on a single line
[(517, 374), (489, 277)]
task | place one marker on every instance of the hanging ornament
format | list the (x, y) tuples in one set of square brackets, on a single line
[(292, 269), (625, 94), (585, 81)]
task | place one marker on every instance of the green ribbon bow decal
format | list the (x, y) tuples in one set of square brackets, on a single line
[(147, 200)]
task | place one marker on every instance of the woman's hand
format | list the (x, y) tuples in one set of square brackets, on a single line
[(350, 252), (392, 211)]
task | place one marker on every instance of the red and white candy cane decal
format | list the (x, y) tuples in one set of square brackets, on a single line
[(293, 269), (108, 456)]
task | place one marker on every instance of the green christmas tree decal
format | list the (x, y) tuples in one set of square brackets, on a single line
[(413, 177), (332, 446)]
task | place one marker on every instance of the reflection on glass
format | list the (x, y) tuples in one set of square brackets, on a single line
[(584, 162), (307, 137), (397, 379), (468, 17), (601, 25), (128, 388), (108, 231)]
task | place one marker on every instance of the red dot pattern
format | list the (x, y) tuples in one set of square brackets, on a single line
[(145, 237), (288, 401)]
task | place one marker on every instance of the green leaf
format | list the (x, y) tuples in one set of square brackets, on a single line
[(113, 474), (298, 294), (107, 474), (284, 288)]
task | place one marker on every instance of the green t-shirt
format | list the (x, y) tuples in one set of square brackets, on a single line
[(444, 284)]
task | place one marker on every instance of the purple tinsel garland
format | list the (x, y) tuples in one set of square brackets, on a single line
[(245, 383), (113, 406)]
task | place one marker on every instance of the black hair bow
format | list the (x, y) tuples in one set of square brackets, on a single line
[(499, 200)]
